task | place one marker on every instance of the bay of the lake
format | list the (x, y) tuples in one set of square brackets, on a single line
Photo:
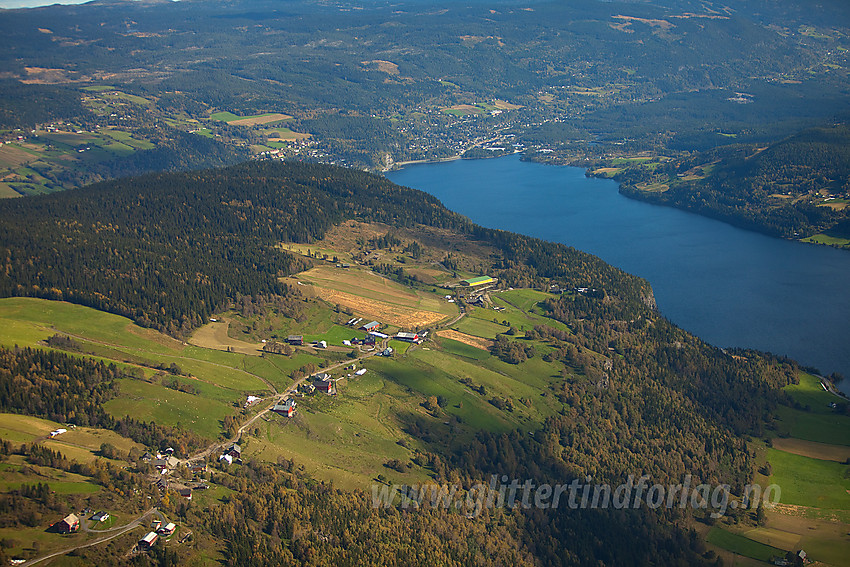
[(731, 287)]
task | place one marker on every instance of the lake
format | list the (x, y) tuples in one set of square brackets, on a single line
[(731, 287)]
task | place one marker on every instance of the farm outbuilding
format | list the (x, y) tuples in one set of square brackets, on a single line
[(480, 280), (100, 517), (372, 326), (297, 340)]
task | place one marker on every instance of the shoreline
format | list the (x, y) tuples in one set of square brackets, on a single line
[(402, 164)]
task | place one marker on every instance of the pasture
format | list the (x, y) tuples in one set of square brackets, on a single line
[(221, 379), (345, 438), (741, 545), (827, 240), (810, 482), (809, 393), (830, 428)]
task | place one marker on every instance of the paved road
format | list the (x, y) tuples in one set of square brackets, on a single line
[(115, 532)]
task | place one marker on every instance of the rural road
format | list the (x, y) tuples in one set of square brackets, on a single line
[(277, 398), (115, 532)]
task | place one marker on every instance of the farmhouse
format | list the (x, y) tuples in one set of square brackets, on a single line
[(297, 340), (167, 463), (148, 541), (479, 281), (185, 492), (287, 408), (234, 451), (68, 524), (168, 529), (373, 326), (325, 384)]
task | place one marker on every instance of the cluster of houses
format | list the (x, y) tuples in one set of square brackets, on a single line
[(150, 539), (162, 461), (233, 453), (71, 523)]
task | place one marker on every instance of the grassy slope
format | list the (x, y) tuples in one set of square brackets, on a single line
[(810, 482), (222, 378)]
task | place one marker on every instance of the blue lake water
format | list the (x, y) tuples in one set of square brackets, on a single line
[(729, 286)]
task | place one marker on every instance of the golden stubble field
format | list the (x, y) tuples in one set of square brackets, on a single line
[(473, 341), (371, 295)]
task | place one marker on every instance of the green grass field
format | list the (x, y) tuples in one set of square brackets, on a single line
[(742, 545), (809, 392), (810, 482), (823, 428), (345, 438), (828, 240)]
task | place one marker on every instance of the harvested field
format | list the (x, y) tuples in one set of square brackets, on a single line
[(364, 283), (464, 109), (477, 342), (287, 135), (394, 314), (385, 66), (214, 336), (812, 449), (261, 119), (7, 192), (504, 105), (13, 156)]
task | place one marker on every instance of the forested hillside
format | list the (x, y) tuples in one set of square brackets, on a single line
[(168, 250), (794, 188), (637, 395)]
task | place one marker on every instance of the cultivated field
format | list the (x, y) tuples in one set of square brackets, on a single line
[(812, 449), (371, 295), (394, 314), (463, 110), (254, 120), (470, 340)]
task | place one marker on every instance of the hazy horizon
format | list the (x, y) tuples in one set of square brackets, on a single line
[(12, 4)]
